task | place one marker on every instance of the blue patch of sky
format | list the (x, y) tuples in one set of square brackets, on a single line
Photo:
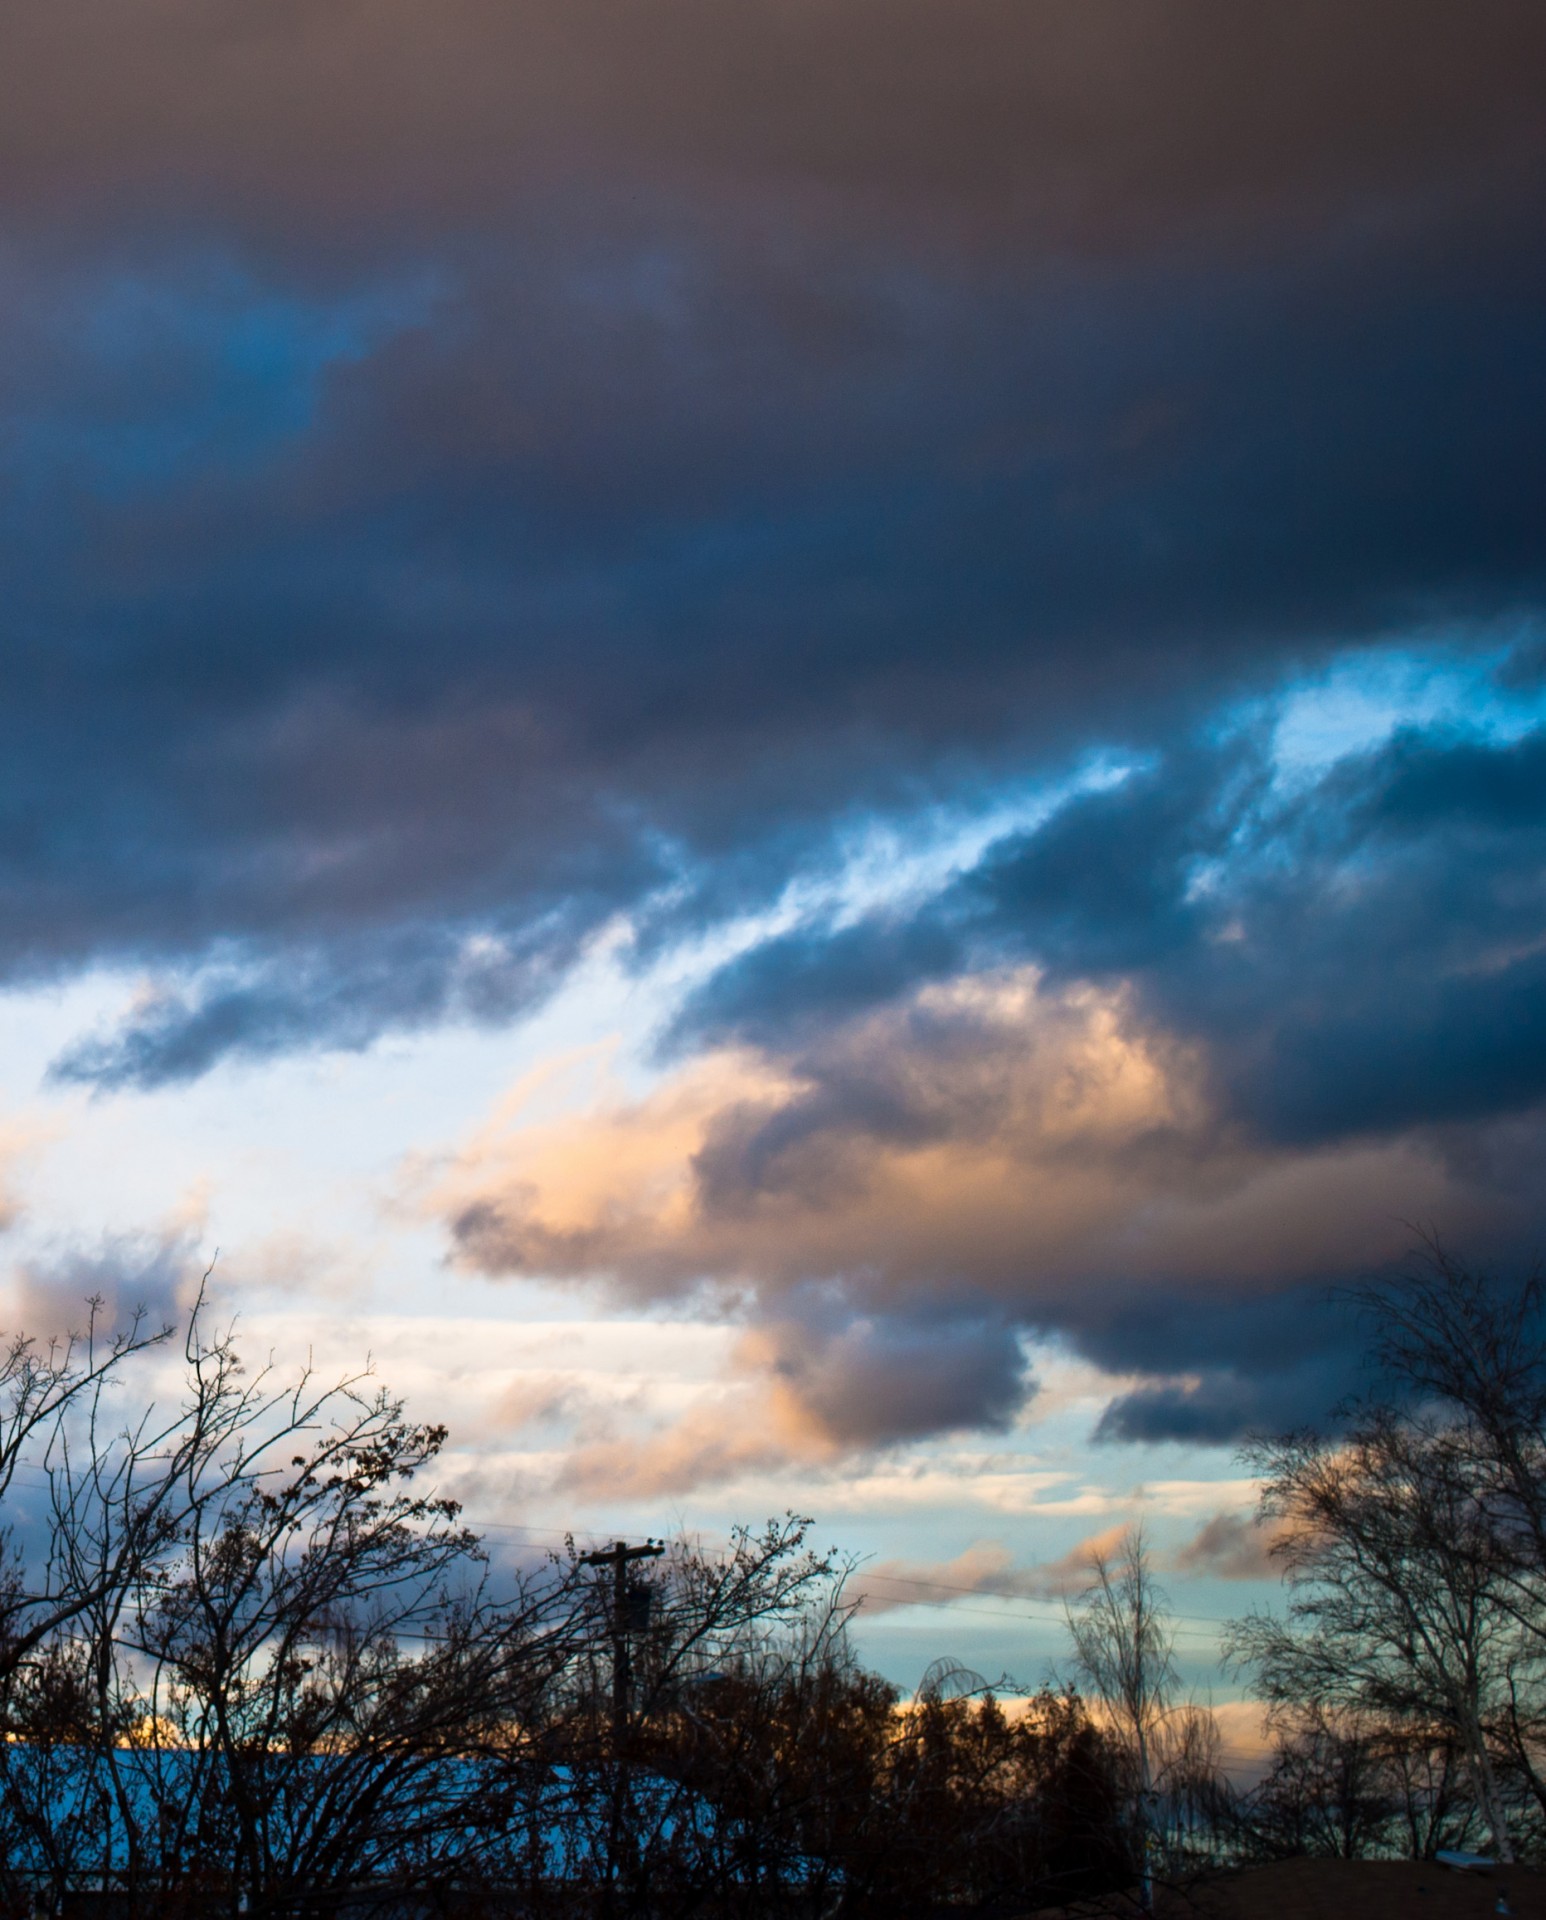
[(152, 376), (878, 865), (1467, 685), (1361, 699)]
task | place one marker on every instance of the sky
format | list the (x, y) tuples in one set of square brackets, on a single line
[(800, 747)]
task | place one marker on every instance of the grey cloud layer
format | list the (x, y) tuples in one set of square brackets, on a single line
[(1087, 122), (472, 470)]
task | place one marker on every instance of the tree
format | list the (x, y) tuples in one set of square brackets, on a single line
[(1396, 1613), (255, 1659), (1471, 1348), (692, 1800), (322, 1639), (273, 1666), (1414, 1540), (1124, 1652), (1468, 1344), (44, 1388)]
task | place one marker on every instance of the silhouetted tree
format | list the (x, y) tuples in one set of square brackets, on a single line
[(276, 1667), (1412, 1539), (1124, 1653), (253, 1656)]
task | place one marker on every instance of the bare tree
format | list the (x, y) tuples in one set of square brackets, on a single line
[(1414, 1540), (280, 1668), (1395, 1610), (43, 1388), (1124, 1653), (1474, 1347), (1469, 1349), (672, 1804), (256, 1659), (323, 1640)]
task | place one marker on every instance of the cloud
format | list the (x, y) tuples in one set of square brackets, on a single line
[(289, 1261), (1157, 1074), (1358, 958), (816, 1385), (538, 1401), (1300, 1016), (21, 1140), (1085, 122), (916, 1144), (487, 479), (993, 1135), (710, 1445), (1219, 1407), (1231, 1546), (332, 997), (986, 1566), (151, 1276), (874, 1380), (475, 473), (1348, 959), (894, 1209)]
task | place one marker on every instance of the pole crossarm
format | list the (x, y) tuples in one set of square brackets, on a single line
[(618, 1557)]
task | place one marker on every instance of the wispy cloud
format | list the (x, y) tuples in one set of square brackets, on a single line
[(985, 1567)]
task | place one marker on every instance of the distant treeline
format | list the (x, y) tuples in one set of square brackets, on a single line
[(247, 1665)]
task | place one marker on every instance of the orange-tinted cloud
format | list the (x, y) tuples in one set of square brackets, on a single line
[(985, 1567), (1021, 1140), (1232, 1546), (984, 1159), (714, 1442)]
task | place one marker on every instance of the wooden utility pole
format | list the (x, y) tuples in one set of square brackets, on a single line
[(618, 1557)]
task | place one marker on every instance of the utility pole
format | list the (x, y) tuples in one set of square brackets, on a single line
[(618, 1557)]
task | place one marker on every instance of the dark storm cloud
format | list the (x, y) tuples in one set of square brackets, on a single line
[(1252, 1365), (368, 681), (1388, 971), (811, 976), (1084, 121), (474, 468), (1357, 956), (334, 998), (870, 1381)]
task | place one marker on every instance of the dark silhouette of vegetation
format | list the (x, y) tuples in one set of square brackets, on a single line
[(1346, 1788), (1124, 1653), (1409, 1674), (247, 1664)]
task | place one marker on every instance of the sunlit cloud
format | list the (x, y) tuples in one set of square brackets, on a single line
[(985, 1567), (998, 1117), (1232, 1546), (988, 1160)]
